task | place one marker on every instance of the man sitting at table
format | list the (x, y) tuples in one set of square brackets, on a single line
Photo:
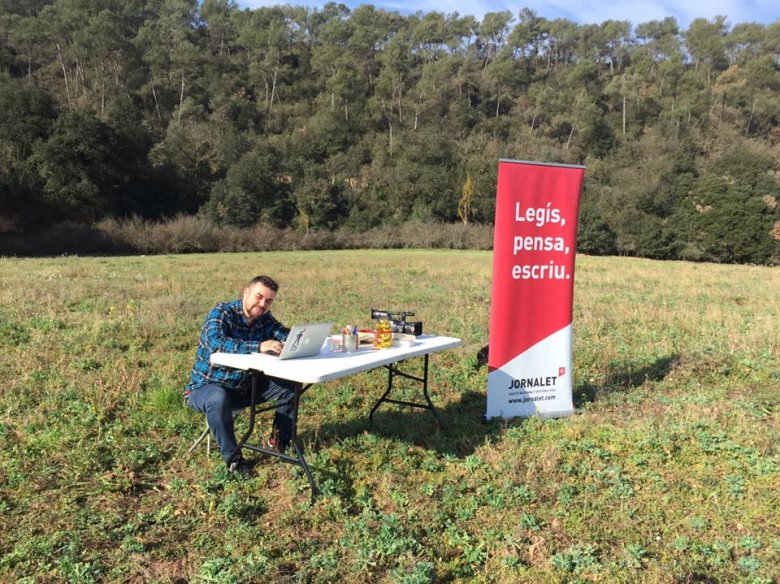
[(244, 325)]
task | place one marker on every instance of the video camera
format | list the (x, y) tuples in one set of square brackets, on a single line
[(398, 321)]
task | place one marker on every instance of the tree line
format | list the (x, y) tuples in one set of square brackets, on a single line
[(331, 118)]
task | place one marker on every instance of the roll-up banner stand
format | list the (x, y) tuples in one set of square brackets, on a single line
[(530, 354)]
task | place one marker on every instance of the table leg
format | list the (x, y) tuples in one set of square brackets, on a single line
[(299, 458), (428, 397), (390, 370), (394, 371)]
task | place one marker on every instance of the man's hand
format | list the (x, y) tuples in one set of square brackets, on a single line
[(272, 346)]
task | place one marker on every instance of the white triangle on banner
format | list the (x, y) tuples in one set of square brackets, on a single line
[(536, 382)]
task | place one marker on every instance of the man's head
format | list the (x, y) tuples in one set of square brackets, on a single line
[(259, 294)]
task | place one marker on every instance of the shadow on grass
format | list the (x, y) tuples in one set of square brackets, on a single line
[(464, 429), (463, 433), (623, 378)]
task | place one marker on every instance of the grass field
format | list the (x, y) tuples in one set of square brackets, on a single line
[(667, 472)]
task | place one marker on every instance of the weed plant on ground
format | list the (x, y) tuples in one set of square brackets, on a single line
[(667, 472)]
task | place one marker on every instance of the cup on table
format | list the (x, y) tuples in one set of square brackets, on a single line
[(350, 343)]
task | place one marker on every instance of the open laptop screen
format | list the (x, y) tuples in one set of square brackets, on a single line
[(305, 340)]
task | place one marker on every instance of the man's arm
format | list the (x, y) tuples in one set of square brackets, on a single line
[(275, 330), (274, 335)]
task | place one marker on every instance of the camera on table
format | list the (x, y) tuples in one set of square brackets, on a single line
[(398, 321)]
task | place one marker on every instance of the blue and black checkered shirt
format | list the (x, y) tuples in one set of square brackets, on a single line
[(227, 330)]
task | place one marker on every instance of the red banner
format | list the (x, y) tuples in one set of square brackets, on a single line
[(537, 206)]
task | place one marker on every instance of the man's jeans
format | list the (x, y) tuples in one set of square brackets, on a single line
[(218, 403)]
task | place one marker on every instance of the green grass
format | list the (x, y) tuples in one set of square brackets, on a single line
[(667, 472)]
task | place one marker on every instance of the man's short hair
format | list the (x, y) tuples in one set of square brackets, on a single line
[(266, 281)]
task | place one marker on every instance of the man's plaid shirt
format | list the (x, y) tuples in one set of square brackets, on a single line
[(227, 330)]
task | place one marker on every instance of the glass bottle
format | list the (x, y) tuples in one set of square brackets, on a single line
[(383, 334)]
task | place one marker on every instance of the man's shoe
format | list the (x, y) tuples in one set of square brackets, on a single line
[(239, 467), (276, 443)]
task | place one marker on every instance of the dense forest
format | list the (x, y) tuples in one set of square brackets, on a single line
[(338, 119)]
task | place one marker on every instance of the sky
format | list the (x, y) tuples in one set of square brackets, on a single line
[(582, 12)]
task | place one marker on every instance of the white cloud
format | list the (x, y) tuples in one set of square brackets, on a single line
[(585, 11)]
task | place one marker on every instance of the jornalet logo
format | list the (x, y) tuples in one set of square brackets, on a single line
[(529, 382)]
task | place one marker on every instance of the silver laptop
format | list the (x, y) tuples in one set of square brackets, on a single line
[(305, 340)]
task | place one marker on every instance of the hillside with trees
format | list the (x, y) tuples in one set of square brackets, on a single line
[(338, 119)]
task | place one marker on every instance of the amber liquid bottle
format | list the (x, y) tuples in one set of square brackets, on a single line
[(383, 334)]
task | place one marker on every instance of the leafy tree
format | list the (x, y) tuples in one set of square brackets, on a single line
[(614, 43), (563, 37), (659, 40), (594, 235), (528, 35), (87, 168), (192, 155), (270, 36), (745, 41), (493, 34), (255, 189), (390, 102), (705, 41), (169, 51), (26, 117), (221, 29), (320, 203), (464, 205), (736, 204), (422, 178), (762, 80)]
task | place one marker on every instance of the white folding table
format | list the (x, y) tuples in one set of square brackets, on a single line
[(327, 366)]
